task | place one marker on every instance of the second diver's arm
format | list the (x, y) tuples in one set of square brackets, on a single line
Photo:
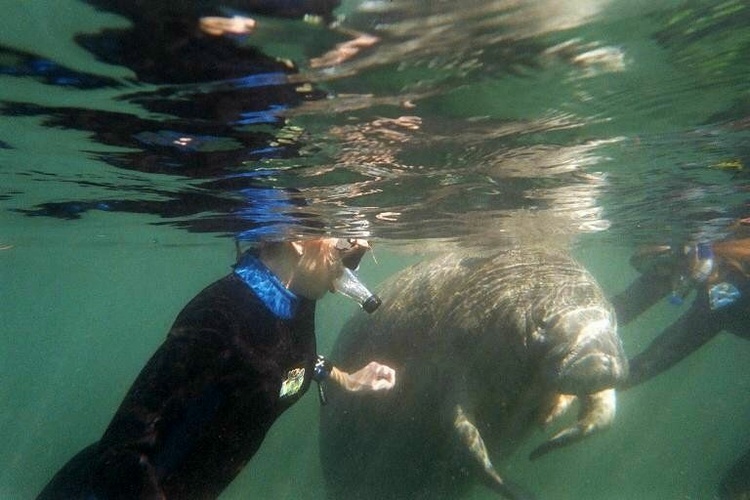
[(643, 292), (680, 339)]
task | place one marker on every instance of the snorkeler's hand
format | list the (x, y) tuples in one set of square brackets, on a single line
[(373, 377)]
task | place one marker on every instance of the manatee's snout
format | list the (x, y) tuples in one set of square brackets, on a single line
[(591, 373), (594, 360)]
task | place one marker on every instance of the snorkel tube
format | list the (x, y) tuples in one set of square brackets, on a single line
[(349, 285)]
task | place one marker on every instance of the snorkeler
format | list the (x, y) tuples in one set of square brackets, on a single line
[(238, 355), (719, 273)]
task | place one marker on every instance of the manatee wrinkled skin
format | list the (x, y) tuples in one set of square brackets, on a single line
[(485, 348)]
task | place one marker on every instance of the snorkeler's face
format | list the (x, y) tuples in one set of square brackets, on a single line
[(321, 262)]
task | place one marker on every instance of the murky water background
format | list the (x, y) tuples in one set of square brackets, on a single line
[(603, 125)]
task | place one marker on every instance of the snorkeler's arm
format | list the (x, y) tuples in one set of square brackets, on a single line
[(683, 337), (642, 293), (373, 377)]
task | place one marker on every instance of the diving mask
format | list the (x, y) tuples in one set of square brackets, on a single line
[(351, 251), (700, 266)]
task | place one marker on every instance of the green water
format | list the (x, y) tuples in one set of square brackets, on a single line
[(82, 313)]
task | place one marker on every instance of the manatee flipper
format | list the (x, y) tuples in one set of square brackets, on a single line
[(596, 414), (558, 406), (471, 438)]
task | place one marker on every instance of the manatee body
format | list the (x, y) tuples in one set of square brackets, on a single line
[(484, 347)]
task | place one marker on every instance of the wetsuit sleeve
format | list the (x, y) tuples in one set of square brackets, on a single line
[(693, 329), (642, 293)]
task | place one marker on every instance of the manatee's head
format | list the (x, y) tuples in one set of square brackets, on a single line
[(584, 353)]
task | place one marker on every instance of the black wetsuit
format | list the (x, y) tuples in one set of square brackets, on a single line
[(234, 360), (699, 324)]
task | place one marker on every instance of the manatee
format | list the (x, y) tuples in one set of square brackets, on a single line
[(486, 347)]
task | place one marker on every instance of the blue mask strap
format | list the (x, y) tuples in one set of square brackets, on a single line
[(704, 251)]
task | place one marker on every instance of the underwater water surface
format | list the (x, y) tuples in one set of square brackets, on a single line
[(130, 162)]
